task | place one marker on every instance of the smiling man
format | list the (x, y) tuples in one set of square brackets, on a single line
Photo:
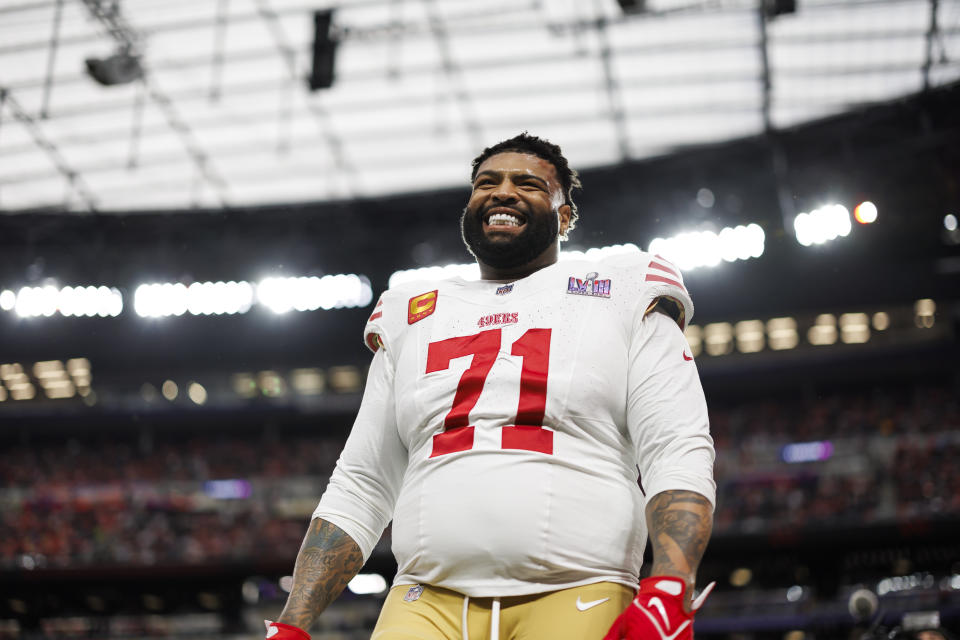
[(502, 428)]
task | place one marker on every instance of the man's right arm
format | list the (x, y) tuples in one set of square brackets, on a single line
[(327, 561), (355, 508)]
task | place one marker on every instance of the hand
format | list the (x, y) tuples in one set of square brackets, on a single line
[(657, 613), (280, 631)]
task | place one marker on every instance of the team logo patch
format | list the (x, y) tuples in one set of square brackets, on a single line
[(413, 593), (505, 289), (589, 286), (498, 318), (421, 306)]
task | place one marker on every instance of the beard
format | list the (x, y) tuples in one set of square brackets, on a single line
[(539, 234)]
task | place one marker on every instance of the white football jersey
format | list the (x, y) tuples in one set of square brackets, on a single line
[(503, 425)]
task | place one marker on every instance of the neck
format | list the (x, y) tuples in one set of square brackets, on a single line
[(545, 259)]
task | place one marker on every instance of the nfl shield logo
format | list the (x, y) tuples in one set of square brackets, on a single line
[(413, 593)]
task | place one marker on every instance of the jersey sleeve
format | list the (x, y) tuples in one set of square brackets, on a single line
[(667, 412), (363, 488), (664, 290), (374, 332)]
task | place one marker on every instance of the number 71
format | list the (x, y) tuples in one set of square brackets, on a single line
[(527, 432)]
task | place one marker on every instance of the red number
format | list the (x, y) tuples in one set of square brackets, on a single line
[(457, 433), (528, 432)]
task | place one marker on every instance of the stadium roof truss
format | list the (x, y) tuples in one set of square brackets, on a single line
[(221, 115)]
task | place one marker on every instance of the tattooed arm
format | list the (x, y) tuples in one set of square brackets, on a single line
[(327, 561), (680, 523)]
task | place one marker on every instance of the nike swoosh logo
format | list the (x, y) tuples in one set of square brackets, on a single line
[(583, 606), (685, 357), (656, 623), (656, 602)]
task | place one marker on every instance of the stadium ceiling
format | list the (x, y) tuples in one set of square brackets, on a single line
[(219, 112)]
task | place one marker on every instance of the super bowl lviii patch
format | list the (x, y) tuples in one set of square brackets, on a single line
[(413, 593), (592, 285), (421, 306)]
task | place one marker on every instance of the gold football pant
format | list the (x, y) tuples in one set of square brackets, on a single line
[(579, 613)]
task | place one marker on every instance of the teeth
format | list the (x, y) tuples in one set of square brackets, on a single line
[(503, 219)]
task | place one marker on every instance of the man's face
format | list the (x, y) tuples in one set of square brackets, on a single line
[(515, 211)]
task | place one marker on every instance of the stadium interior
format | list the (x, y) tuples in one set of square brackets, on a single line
[(194, 230)]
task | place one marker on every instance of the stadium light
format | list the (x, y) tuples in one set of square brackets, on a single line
[(8, 300), (281, 295), (823, 331), (949, 223), (156, 300), (865, 212), (854, 328), (685, 250), (822, 225), (749, 335), (367, 584), (90, 301), (469, 271), (782, 333), (707, 249)]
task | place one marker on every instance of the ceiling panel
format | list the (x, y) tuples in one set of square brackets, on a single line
[(223, 115)]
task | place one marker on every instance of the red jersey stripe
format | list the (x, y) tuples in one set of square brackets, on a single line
[(656, 265), (652, 277), (375, 316)]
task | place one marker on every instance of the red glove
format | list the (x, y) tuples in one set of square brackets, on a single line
[(280, 631), (657, 612)]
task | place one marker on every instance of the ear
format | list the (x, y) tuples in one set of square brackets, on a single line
[(564, 212)]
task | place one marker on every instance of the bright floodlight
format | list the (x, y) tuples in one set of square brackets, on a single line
[(345, 290), (822, 225), (865, 212), (69, 301), (707, 249), (469, 271), (600, 252), (367, 583), (8, 300), (949, 223)]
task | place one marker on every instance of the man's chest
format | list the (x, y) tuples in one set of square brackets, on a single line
[(490, 361)]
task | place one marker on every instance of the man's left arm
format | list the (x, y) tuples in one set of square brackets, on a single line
[(668, 424), (679, 523)]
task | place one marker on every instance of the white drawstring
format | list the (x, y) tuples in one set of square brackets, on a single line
[(495, 620)]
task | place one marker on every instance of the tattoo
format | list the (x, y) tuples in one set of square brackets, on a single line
[(680, 523), (327, 561)]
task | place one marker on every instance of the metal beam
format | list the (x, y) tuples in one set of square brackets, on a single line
[(453, 73), (614, 97), (129, 41), (933, 33), (74, 180), (288, 54), (51, 59), (765, 83)]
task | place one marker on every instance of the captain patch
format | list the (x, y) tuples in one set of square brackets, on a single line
[(421, 306)]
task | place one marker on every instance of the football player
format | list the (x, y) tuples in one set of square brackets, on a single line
[(502, 428)]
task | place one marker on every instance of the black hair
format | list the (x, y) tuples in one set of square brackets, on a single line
[(525, 143)]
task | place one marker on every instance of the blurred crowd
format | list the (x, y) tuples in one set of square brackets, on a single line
[(891, 456)]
